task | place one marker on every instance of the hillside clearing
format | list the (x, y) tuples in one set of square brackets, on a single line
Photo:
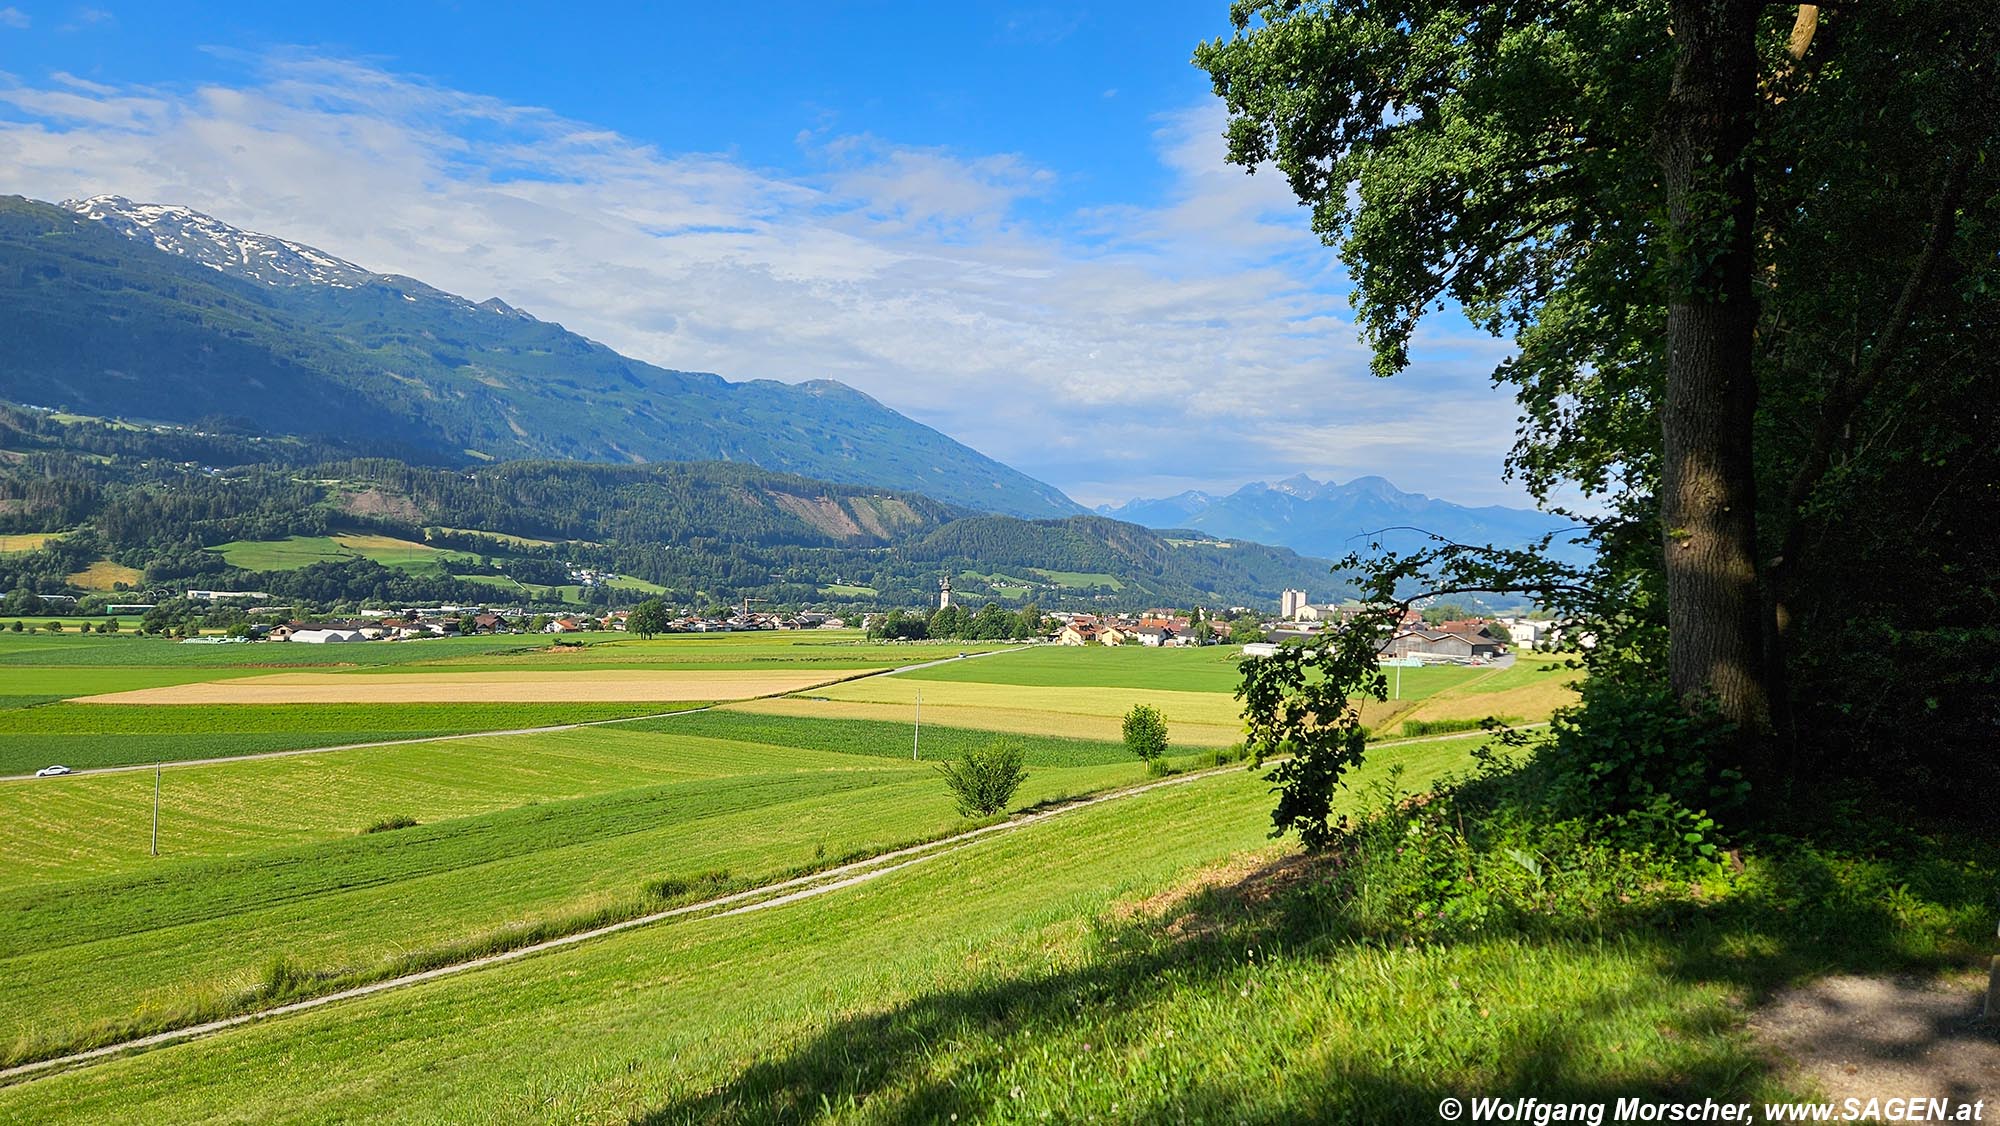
[(106, 575)]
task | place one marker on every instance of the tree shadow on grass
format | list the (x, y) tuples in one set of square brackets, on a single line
[(1088, 1035)]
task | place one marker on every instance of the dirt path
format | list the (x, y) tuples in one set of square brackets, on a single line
[(1887, 1037)]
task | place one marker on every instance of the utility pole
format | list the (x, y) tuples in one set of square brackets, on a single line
[(156, 809), (917, 730)]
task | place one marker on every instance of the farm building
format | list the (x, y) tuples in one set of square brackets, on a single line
[(326, 636), (1439, 645)]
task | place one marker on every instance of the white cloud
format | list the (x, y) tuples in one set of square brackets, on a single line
[(1201, 338), (14, 18)]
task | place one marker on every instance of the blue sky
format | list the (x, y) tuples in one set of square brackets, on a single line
[(1012, 223)]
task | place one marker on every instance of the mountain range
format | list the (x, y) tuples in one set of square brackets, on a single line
[(116, 308), (1331, 520), (159, 313)]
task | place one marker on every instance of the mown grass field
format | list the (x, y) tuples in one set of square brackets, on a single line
[(1090, 967), (293, 552), (38, 672), (12, 543), (270, 885), (106, 575), (81, 736)]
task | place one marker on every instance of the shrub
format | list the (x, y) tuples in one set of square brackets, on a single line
[(984, 781), (1413, 728), (702, 885), (1146, 732), (1639, 769), (400, 821)]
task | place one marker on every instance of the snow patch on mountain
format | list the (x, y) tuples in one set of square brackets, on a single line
[(219, 246)]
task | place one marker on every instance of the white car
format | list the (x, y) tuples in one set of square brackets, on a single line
[(52, 771)]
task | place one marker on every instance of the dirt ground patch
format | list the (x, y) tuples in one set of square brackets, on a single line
[(522, 686), (1883, 1037), (1203, 902)]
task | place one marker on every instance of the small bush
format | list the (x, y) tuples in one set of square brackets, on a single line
[(1413, 728), (1222, 756), (983, 782), (696, 887), (400, 821), (1146, 732)]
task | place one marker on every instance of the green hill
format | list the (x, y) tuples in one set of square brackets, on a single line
[(185, 508), (100, 321)]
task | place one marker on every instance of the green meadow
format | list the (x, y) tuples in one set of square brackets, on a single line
[(289, 877), (1087, 967), (80, 736)]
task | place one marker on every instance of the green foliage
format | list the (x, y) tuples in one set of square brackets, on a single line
[(390, 824), (1636, 768), (1445, 612), (648, 618), (1415, 728), (1146, 733), (264, 522), (984, 780), (689, 889), (1506, 159)]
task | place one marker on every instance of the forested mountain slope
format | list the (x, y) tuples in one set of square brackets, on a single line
[(139, 311), (172, 507)]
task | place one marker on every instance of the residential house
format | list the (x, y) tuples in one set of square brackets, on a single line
[(1077, 633)]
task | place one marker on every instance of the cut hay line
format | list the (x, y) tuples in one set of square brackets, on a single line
[(524, 686)]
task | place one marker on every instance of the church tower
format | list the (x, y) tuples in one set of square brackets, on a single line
[(944, 592)]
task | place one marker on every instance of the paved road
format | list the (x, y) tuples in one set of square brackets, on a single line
[(502, 732)]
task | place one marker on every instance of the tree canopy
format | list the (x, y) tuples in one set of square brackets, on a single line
[(1745, 256)]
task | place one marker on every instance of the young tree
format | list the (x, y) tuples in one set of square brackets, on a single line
[(983, 782), (648, 618), (1146, 733)]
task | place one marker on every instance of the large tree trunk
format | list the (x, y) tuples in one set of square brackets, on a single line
[(1708, 475)]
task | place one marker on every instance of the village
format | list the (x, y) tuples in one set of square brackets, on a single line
[(1433, 635)]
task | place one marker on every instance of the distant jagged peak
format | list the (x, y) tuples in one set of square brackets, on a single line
[(213, 243)]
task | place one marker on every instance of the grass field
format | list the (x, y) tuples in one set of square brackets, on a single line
[(377, 691), (192, 932), (12, 543), (1080, 580), (1089, 967), (81, 736), (270, 884), (482, 686), (293, 552), (106, 575)]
